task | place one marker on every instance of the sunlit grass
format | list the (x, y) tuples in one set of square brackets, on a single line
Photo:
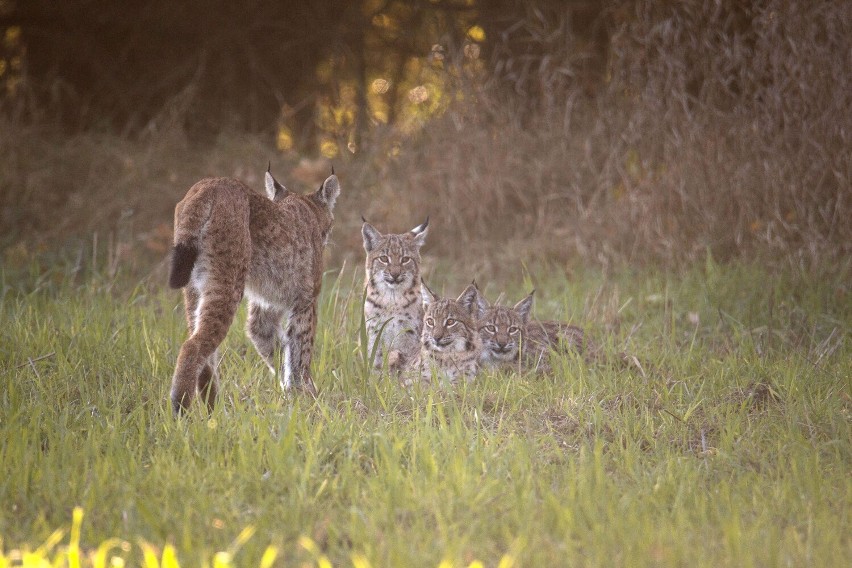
[(733, 449)]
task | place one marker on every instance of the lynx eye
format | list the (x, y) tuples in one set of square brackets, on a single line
[(490, 329), (384, 259), (405, 259), (450, 322), (430, 322), (513, 330)]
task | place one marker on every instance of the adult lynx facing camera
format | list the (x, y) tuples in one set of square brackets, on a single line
[(230, 240)]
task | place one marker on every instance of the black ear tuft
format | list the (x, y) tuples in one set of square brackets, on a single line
[(332, 169), (362, 218)]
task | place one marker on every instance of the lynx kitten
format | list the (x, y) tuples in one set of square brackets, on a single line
[(511, 339), (392, 307), (450, 345), (229, 241)]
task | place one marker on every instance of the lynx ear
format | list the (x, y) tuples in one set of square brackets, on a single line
[(524, 307), (274, 190), (419, 232), (427, 295), (328, 191), (472, 300), (370, 235)]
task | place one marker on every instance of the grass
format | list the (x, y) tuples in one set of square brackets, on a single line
[(734, 449)]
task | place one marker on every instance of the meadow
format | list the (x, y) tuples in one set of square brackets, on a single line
[(674, 177), (729, 447)]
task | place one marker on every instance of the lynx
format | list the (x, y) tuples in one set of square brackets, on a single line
[(511, 339), (392, 306), (230, 241), (450, 345)]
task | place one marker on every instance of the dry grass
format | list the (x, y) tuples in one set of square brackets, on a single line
[(715, 129)]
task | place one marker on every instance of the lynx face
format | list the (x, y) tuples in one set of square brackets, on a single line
[(502, 330), (450, 344), (448, 326), (393, 260)]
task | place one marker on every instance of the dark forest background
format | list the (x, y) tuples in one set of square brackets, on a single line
[(570, 131)]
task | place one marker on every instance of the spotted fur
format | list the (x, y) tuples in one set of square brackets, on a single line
[(449, 343), (393, 310), (511, 339), (230, 241)]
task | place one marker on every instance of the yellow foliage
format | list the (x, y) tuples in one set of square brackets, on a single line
[(476, 33), (99, 559), (328, 148), (12, 37), (360, 561), (285, 139), (269, 556), (169, 557), (72, 557)]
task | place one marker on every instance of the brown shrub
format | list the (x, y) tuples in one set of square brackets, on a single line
[(720, 128), (714, 127)]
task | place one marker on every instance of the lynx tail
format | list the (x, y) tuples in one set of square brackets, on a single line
[(183, 259)]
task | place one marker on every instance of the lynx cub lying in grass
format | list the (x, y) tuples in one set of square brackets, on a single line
[(450, 345), (393, 310), (230, 240), (511, 340)]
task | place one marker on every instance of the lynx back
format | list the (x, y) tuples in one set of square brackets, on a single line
[(230, 241), (392, 307)]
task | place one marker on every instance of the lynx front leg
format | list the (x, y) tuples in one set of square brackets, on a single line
[(298, 350)]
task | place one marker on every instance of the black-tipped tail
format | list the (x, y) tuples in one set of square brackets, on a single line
[(183, 259)]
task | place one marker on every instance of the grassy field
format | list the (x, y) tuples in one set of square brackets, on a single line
[(731, 449)]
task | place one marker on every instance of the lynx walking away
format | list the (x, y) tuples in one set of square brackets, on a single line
[(393, 310), (230, 240)]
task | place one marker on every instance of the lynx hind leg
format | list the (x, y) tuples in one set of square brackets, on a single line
[(196, 361), (298, 350), (216, 305), (264, 330), (208, 379)]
